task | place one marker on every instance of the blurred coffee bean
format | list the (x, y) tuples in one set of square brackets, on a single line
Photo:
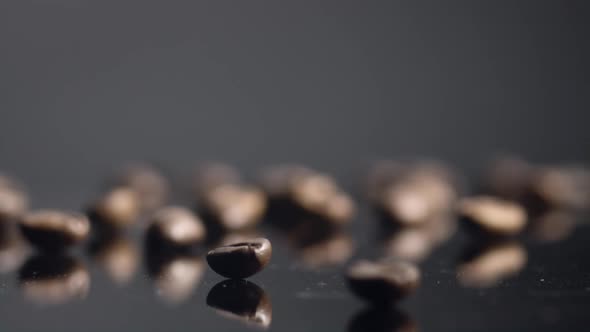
[(240, 260), (414, 193), (553, 226), (493, 215), (237, 237), (51, 280), (385, 319), (277, 180), (311, 191), (242, 300), (151, 187), (175, 275), (383, 282), (236, 207), (53, 230), (488, 264), (13, 249), (509, 178), (177, 226), (562, 187), (119, 207), (210, 176), (13, 199), (118, 256)]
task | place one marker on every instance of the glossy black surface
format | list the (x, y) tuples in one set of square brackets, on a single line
[(86, 86)]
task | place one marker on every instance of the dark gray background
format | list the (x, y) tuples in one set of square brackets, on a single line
[(87, 85)]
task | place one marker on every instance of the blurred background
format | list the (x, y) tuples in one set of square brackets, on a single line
[(86, 86)]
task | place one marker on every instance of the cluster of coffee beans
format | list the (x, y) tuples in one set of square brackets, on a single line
[(418, 204)]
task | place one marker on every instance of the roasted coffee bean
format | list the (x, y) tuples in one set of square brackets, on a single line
[(120, 207), (13, 199), (332, 250), (212, 175), (117, 256), (243, 300), (150, 186), (414, 193), (493, 215), (175, 275), (553, 226), (488, 264), (236, 207), (509, 178), (177, 226), (240, 260), (277, 180), (54, 230), (562, 187), (383, 282), (51, 280)]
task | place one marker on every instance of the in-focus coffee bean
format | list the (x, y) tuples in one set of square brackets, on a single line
[(52, 280), (242, 300), (240, 260), (383, 282), (54, 230), (493, 215), (119, 207), (177, 226), (13, 199)]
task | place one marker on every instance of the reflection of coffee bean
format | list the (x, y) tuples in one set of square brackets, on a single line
[(13, 199), (175, 275), (177, 226), (240, 260), (118, 256), (52, 230), (150, 186), (384, 281), (243, 300), (487, 265), (119, 207), (13, 249), (382, 319), (493, 215), (54, 279)]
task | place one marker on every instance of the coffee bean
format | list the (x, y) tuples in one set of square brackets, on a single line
[(212, 175), (13, 199), (413, 193), (51, 280), (54, 230), (314, 192), (243, 300), (509, 178), (383, 282), (562, 187), (177, 226), (493, 215), (150, 186), (119, 207), (240, 260), (331, 250), (236, 207), (489, 263), (553, 226)]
